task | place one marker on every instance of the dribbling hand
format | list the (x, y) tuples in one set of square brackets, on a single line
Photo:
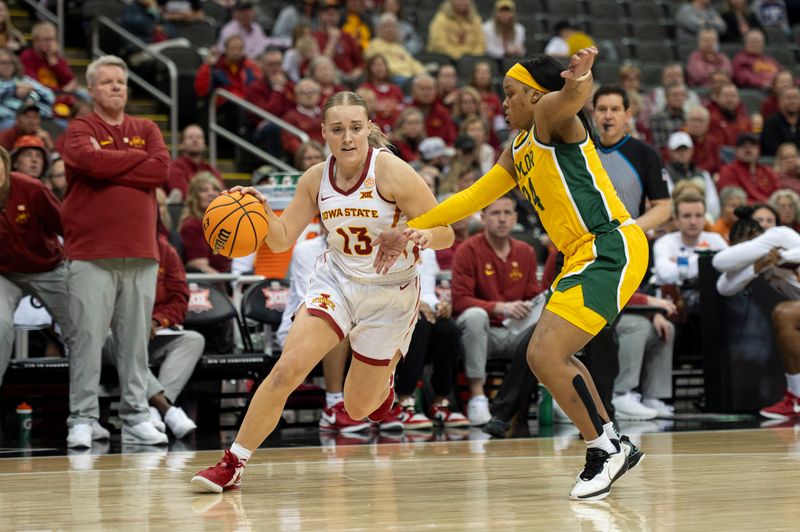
[(253, 191), (580, 63)]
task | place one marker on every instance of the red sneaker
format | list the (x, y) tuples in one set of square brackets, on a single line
[(787, 408), (410, 418), (442, 415), (386, 406), (336, 419), (226, 475), (391, 422)]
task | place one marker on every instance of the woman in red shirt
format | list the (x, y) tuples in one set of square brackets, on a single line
[(409, 131), (490, 101), (203, 189), (389, 96)]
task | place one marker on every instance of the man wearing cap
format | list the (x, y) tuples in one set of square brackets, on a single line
[(783, 125), (28, 122), (438, 122), (680, 167), (182, 169), (30, 157), (758, 180), (434, 152), (243, 23), (336, 44)]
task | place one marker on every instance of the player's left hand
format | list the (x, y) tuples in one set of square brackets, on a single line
[(420, 237), (390, 244), (580, 63)]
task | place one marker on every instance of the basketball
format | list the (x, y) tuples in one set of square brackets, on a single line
[(235, 225)]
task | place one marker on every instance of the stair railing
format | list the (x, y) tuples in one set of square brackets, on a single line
[(214, 129), (171, 99)]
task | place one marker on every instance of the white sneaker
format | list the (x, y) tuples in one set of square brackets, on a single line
[(143, 434), (99, 432), (478, 411), (629, 407), (663, 409), (155, 419), (600, 471), (178, 422), (79, 436), (559, 416)]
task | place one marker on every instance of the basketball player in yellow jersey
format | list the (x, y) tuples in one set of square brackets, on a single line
[(553, 161)]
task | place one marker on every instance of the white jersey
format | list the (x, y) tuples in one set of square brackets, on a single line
[(354, 219)]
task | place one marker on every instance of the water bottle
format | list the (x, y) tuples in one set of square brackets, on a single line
[(683, 265), (25, 423), (545, 407)]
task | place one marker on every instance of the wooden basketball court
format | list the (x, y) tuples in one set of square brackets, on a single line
[(724, 480)]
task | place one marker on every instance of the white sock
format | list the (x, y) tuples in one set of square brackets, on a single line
[(602, 442), (610, 431), (332, 399), (793, 384), (241, 453)]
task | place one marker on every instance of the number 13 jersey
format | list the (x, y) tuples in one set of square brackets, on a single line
[(355, 218)]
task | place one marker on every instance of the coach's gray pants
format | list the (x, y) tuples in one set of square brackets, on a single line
[(115, 293), (644, 358), (178, 355), (50, 288), (482, 341)]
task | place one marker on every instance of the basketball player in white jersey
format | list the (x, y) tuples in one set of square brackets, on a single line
[(362, 193)]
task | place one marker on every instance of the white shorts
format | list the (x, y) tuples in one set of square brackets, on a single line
[(379, 319)]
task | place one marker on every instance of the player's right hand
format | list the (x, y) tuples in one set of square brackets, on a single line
[(517, 310), (253, 191)]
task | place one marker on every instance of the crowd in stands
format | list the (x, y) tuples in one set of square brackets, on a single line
[(718, 132)]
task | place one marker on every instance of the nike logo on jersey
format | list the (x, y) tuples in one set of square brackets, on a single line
[(325, 198), (404, 286)]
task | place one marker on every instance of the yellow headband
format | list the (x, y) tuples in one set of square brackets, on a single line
[(521, 74)]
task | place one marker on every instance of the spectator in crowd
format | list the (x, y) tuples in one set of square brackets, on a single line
[(494, 278), (758, 180), (738, 19), (31, 257), (706, 59), (695, 15), (244, 25), (199, 257), (304, 49), (386, 43), (706, 149), (30, 157), (505, 37), (773, 252), (44, 62), (772, 13), (18, 89), (408, 134), (456, 31), (787, 166), (307, 115), (475, 127), (731, 198), (438, 122), (146, 19), (491, 105), (322, 70), (461, 173), (408, 33), (182, 11), (189, 164), (671, 74), (354, 23), (728, 117), (447, 84), (444, 257), (782, 81), (436, 338), (680, 168), (28, 122), (273, 91), (114, 163), (764, 214), (558, 46), (434, 152), (787, 203), (291, 16), (232, 70), (336, 44), (309, 154), (56, 179), (466, 104), (11, 38), (752, 68), (666, 122), (389, 97), (690, 215), (782, 126)]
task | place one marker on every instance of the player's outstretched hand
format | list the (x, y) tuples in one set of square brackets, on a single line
[(390, 243), (253, 191), (420, 237), (580, 63)]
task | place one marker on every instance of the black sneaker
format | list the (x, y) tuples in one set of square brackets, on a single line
[(496, 427), (634, 454), (600, 471)]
